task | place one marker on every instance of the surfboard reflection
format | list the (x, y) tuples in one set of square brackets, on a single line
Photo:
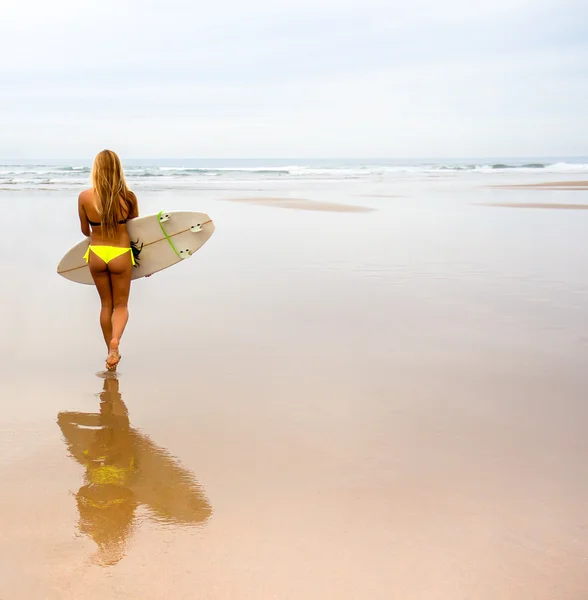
[(124, 470)]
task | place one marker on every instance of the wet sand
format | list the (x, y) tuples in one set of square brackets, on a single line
[(378, 196), (550, 185), (531, 188), (316, 405), (544, 205), (303, 204)]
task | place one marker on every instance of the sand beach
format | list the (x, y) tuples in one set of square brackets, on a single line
[(384, 399)]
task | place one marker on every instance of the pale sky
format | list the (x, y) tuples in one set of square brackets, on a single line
[(311, 78)]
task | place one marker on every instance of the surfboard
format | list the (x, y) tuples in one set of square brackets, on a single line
[(168, 238)]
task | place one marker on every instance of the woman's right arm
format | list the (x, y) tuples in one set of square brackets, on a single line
[(134, 212)]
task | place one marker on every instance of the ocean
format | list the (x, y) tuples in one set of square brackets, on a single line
[(161, 174)]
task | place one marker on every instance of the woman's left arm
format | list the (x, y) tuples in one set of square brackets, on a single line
[(84, 224)]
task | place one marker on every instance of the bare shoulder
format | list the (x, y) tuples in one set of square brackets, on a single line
[(86, 196)]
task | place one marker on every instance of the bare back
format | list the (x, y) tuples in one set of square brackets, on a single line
[(87, 208)]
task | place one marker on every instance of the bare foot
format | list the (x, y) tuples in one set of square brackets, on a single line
[(113, 356)]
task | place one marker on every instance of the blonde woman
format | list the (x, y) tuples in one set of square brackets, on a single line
[(104, 211)]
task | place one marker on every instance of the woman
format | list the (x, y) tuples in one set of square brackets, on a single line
[(104, 211)]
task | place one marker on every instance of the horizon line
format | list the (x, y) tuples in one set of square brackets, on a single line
[(378, 158)]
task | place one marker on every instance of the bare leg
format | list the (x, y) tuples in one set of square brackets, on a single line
[(106, 323), (101, 276), (120, 277)]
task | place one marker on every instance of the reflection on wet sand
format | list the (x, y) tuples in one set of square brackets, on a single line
[(125, 469), (303, 204)]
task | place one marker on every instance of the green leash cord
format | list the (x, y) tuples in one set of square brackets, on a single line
[(167, 236)]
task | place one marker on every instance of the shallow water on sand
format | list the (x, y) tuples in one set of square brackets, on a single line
[(317, 405)]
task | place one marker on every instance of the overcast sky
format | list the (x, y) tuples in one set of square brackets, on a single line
[(311, 78)]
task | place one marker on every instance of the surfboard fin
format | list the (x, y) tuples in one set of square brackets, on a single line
[(185, 253), (196, 228), (163, 217)]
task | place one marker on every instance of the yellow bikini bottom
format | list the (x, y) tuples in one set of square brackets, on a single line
[(108, 253)]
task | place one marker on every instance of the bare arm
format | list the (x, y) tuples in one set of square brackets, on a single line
[(85, 226), (134, 209)]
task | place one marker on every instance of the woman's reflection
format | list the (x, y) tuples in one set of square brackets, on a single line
[(125, 469)]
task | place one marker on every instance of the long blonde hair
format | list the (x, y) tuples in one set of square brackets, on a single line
[(111, 193)]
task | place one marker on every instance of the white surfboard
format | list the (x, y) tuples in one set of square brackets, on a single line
[(168, 238)]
